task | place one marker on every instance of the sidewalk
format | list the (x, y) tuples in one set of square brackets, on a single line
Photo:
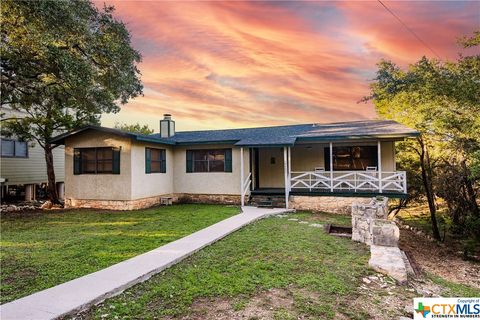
[(83, 292)]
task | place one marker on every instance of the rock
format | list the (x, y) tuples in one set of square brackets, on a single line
[(408, 308), (389, 261), (303, 222), (404, 318), (316, 225), (46, 205), (366, 280), (292, 219)]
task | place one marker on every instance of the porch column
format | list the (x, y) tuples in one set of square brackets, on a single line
[(285, 168), (379, 150), (61, 190), (331, 167), (289, 169), (242, 200), (29, 192)]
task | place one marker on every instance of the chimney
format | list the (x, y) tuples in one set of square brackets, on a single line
[(167, 126)]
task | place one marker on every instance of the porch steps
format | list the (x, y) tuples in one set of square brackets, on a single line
[(267, 201)]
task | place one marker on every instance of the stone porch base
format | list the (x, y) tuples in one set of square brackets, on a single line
[(327, 204), (151, 201), (342, 205)]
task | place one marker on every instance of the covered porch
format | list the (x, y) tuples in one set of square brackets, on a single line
[(335, 168)]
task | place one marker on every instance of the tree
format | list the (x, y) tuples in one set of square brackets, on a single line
[(135, 128), (63, 64), (442, 101)]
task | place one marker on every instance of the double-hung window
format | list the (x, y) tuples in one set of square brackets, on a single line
[(155, 160), (212, 160), (96, 160), (14, 149)]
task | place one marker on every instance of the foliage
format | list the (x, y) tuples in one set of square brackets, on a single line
[(63, 63), (134, 128), (42, 250), (442, 101), (271, 253)]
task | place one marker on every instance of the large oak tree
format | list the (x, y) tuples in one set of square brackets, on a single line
[(441, 99), (63, 64)]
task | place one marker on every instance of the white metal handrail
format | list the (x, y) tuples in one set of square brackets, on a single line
[(350, 180), (246, 185)]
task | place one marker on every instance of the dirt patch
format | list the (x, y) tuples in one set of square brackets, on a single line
[(440, 260), (379, 297), (264, 305)]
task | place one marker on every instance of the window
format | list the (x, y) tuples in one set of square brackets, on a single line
[(216, 160), (155, 160), (14, 149), (351, 158), (96, 160)]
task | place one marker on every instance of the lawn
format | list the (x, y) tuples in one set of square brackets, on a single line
[(40, 250), (308, 272)]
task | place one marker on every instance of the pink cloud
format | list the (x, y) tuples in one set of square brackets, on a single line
[(236, 64)]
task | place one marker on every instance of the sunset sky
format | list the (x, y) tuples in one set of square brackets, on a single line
[(241, 64)]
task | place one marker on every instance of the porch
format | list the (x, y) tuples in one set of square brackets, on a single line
[(343, 169)]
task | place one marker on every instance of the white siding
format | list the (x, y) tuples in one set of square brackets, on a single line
[(34, 168)]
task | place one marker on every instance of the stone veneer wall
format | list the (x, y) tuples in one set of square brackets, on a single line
[(370, 224), (208, 198), (150, 201), (341, 205)]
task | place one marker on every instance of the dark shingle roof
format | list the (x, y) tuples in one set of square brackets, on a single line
[(288, 135), (276, 136)]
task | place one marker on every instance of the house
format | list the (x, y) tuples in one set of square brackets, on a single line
[(307, 166), (23, 170)]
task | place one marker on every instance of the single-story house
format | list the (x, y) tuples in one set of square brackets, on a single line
[(308, 166)]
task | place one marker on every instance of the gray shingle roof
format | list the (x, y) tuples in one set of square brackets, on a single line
[(288, 135), (276, 136)]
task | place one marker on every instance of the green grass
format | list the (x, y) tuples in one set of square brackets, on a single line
[(455, 289), (39, 251), (419, 216), (271, 253)]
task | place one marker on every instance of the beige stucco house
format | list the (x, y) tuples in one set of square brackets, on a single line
[(308, 166)]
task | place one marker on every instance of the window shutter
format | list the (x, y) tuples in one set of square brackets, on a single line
[(116, 161), (163, 164), (77, 161), (189, 161), (228, 160), (148, 160)]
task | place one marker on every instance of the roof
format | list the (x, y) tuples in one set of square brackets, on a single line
[(60, 139), (273, 136)]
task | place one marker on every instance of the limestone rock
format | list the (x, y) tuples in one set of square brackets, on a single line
[(47, 205), (389, 261)]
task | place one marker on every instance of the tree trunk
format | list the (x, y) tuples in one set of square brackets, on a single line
[(470, 191), (52, 187), (427, 183)]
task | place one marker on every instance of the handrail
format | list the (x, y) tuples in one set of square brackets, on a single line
[(246, 185), (350, 180)]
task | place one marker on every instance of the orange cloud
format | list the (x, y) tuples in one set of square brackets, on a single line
[(236, 64)]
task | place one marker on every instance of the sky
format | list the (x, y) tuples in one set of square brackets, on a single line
[(232, 64)]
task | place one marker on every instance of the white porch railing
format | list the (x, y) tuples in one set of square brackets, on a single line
[(373, 181)]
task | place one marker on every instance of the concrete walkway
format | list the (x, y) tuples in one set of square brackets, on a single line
[(83, 292)]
